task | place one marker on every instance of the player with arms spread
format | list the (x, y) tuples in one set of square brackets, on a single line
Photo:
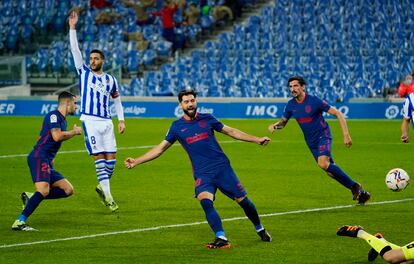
[(96, 89), (211, 167), (49, 183), (308, 112)]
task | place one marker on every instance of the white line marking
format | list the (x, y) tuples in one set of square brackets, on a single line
[(196, 223), (120, 148)]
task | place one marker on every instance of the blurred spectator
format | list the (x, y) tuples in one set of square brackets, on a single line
[(167, 16), (192, 14), (406, 87), (140, 8), (138, 37), (221, 13), (99, 4)]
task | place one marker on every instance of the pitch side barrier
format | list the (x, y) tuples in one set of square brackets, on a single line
[(167, 107)]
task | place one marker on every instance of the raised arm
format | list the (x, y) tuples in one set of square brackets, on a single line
[(344, 126), (74, 47), (278, 125), (240, 135), (154, 153)]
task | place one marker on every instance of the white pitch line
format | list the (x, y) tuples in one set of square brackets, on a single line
[(196, 223), (83, 150)]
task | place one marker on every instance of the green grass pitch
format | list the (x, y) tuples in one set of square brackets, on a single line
[(159, 221)]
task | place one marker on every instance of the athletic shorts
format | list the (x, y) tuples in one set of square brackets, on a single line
[(408, 251), (222, 178), (321, 147), (42, 170), (99, 136)]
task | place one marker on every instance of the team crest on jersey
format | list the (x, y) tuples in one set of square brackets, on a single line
[(53, 118), (203, 123), (308, 109)]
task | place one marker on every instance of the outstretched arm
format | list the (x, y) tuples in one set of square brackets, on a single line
[(278, 125), (344, 126), (74, 47), (404, 130), (150, 155), (240, 135)]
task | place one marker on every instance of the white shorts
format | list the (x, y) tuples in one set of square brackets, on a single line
[(99, 136)]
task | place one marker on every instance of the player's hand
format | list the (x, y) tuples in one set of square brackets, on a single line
[(264, 141), (73, 19), (77, 130), (129, 163), (121, 127), (271, 128), (404, 138), (347, 141)]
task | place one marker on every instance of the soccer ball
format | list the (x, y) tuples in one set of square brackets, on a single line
[(397, 179)]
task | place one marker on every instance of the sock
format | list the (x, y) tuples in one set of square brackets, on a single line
[(56, 193), (103, 179), (109, 167), (31, 206), (251, 213), (213, 218), (379, 245), (340, 176)]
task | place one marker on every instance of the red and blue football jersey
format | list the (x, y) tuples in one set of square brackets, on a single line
[(197, 138)]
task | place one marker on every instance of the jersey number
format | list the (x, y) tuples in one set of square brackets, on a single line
[(93, 140)]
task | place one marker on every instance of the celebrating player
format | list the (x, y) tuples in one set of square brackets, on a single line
[(390, 252), (308, 110), (211, 167), (408, 114), (96, 88), (49, 183)]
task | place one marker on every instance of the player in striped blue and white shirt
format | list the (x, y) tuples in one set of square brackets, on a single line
[(408, 114), (96, 90)]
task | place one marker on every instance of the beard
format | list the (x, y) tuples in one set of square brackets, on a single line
[(96, 68), (191, 114)]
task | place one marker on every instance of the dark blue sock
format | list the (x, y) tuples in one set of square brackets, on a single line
[(340, 176), (31, 205), (251, 212), (212, 216), (56, 193)]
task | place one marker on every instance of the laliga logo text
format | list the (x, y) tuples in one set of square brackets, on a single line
[(7, 109)]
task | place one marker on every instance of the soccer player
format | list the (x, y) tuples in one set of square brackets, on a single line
[(308, 112), (211, 167), (408, 114), (96, 88), (390, 252), (49, 183)]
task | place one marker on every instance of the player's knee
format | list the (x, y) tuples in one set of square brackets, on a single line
[(239, 200), (69, 191), (323, 165), (205, 195), (390, 257)]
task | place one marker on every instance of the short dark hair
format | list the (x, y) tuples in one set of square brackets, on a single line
[(65, 95), (99, 52), (300, 79), (186, 92)]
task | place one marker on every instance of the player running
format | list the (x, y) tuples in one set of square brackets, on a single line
[(49, 183), (211, 167), (308, 112)]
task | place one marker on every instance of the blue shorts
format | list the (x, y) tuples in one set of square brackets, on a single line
[(42, 170), (222, 178), (321, 147)]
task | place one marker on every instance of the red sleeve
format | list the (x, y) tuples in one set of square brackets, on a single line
[(402, 90)]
